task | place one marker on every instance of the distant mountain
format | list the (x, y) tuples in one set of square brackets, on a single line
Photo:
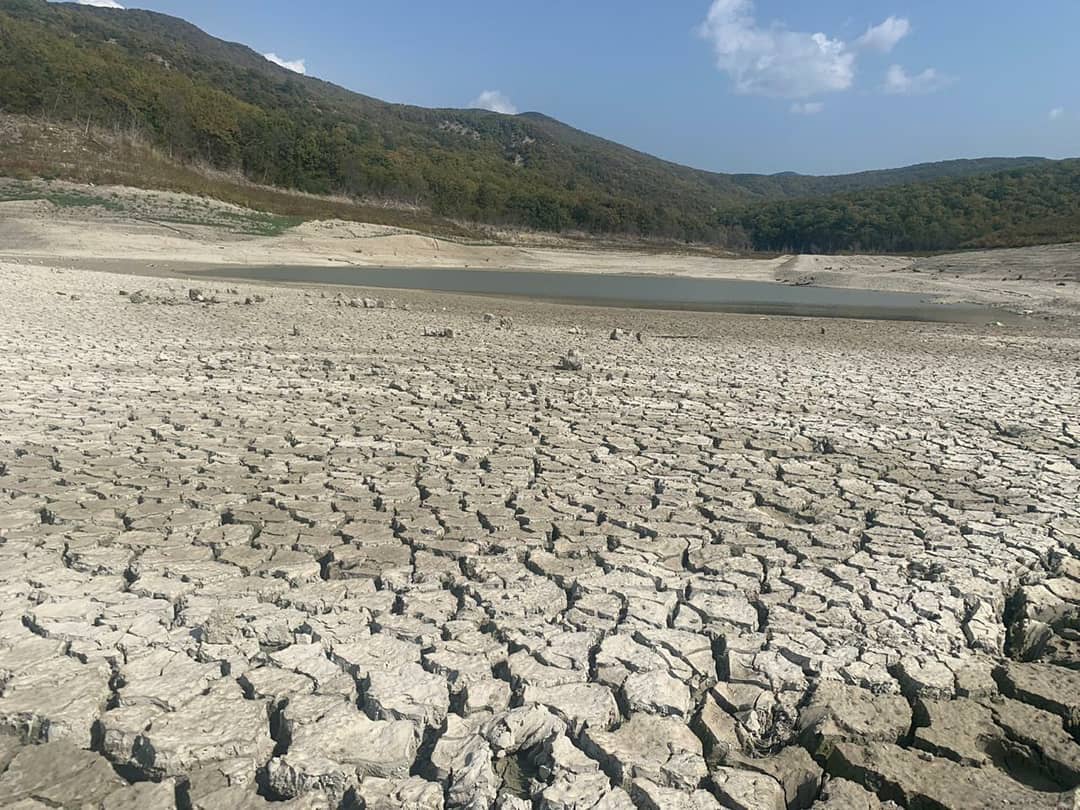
[(221, 103)]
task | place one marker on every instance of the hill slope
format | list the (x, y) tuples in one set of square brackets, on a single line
[(1038, 205), (221, 103)]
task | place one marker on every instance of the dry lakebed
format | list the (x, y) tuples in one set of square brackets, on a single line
[(316, 546)]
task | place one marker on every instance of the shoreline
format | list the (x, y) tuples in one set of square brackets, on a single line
[(1040, 281)]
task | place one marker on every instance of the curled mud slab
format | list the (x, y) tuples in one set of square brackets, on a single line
[(274, 546)]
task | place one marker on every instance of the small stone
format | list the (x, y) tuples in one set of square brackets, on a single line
[(571, 361), (439, 332)]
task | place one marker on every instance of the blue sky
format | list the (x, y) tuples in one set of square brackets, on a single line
[(729, 85)]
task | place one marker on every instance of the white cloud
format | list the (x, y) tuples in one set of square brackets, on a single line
[(807, 108), (899, 82), (885, 36), (775, 61), (1056, 113), (99, 3), (495, 101), (295, 65)]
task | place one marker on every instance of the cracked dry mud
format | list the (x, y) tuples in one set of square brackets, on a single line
[(294, 553)]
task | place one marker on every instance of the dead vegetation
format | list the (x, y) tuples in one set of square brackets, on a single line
[(37, 149)]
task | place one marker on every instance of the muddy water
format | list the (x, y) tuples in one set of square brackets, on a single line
[(660, 292)]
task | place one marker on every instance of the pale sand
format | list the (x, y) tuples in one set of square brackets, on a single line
[(1037, 280)]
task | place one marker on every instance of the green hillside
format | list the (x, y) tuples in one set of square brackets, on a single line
[(1031, 206), (203, 100)]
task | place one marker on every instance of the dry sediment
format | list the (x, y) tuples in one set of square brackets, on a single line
[(164, 233), (284, 549)]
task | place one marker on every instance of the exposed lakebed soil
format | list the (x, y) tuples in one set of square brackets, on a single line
[(311, 548)]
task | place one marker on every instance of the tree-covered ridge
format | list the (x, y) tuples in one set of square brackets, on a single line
[(1011, 208), (220, 103)]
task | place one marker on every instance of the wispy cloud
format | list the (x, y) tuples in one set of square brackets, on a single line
[(99, 3), (1057, 113), (495, 101), (899, 82), (295, 65), (775, 61), (885, 36)]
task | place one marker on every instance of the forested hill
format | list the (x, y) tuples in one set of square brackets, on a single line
[(199, 98), (1039, 205)]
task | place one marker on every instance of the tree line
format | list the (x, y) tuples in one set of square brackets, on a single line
[(203, 100)]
